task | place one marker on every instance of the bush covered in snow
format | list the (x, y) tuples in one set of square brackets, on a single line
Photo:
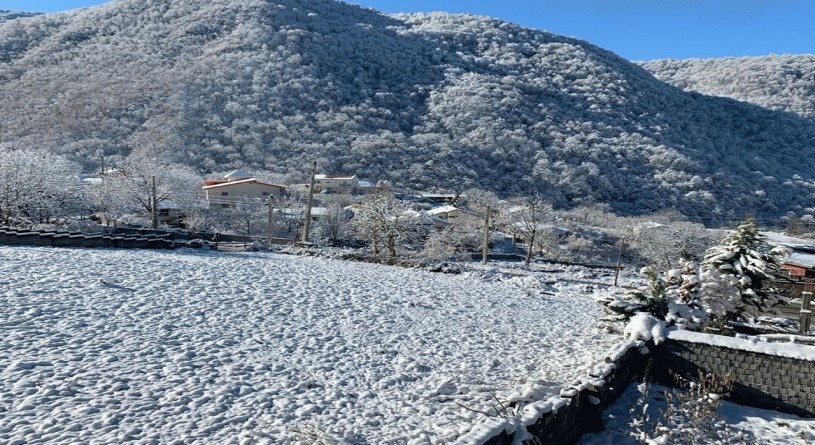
[(735, 282), (691, 415), (690, 297)]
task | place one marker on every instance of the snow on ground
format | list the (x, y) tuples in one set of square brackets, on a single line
[(780, 238), (117, 346), (766, 427)]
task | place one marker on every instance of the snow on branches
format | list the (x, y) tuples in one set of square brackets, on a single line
[(735, 281), (690, 297), (746, 256)]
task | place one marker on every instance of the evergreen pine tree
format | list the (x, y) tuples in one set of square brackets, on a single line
[(746, 255)]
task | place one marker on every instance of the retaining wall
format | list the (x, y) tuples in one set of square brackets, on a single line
[(578, 409), (74, 239), (774, 376)]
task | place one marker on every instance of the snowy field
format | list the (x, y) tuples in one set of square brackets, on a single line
[(115, 346)]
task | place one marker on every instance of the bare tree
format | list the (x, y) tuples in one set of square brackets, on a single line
[(526, 217), (332, 224), (664, 244)]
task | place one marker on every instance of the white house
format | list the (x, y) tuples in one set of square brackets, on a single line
[(237, 186), (344, 185), (444, 212)]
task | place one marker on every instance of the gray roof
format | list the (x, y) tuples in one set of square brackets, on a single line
[(237, 174)]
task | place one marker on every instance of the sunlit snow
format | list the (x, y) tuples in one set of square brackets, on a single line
[(111, 346)]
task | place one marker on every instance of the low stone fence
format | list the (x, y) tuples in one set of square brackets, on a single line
[(75, 239), (776, 376), (577, 410)]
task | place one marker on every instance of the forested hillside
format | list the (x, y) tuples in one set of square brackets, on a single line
[(426, 101), (785, 82), (10, 15)]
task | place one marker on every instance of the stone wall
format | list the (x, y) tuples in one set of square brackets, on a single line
[(578, 409), (781, 382), (773, 376), (73, 239)]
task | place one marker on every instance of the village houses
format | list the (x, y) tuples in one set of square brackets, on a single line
[(344, 185), (236, 186)]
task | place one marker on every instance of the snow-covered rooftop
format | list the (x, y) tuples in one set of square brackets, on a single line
[(443, 209), (321, 176), (238, 182), (800, 259), (237, 175)]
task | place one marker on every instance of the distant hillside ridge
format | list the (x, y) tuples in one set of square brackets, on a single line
[(6, 15), (777, 82), (427, 101)]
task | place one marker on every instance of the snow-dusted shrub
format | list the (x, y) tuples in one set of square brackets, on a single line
[(690, 297), (652, 299), (691, 415), (644, 326)]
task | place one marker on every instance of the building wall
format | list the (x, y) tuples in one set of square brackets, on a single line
[(343, 186), (235, 192), (794, 271)]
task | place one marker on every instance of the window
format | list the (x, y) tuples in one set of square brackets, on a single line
[(224, 193)]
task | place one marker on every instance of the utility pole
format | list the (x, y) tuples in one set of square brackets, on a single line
[(619, 261), (102, 172), (806, 312), (154, 201), (486, 246), (270, 222), (307, 225)]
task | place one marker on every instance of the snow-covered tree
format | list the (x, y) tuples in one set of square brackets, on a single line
[(37, 187), (386, 223), (332, 225), (652, 298), (745, 254), (527, 218), (690, 296)]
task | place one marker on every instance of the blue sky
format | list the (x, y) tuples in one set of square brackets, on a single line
[(635, 29)]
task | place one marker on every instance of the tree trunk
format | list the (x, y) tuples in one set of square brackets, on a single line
[(529, 248)]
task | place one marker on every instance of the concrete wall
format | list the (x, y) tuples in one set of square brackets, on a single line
[(240, 190)]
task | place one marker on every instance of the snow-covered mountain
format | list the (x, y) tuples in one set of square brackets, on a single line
[(427, 100), (777, 82), (11, 15)]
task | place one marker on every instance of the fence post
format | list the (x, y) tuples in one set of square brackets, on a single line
[(806, 311)]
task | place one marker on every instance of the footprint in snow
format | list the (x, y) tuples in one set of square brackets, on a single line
[(447, 388)]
